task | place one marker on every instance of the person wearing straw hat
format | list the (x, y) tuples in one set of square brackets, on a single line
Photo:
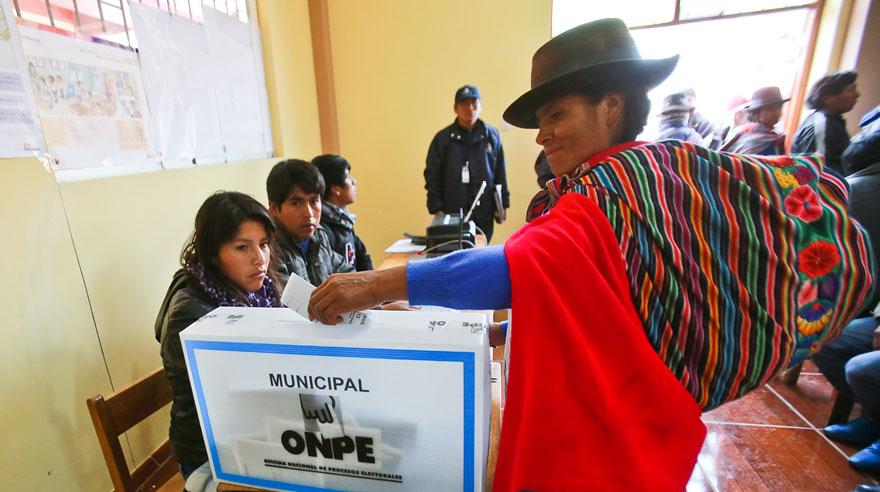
[(653, 281), (758, 136)]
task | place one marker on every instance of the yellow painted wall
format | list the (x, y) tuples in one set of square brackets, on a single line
[(867, 64), (127, 233), (290, 76), (397, 64), (50, 359)]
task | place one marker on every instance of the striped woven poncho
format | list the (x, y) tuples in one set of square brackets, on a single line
[(739, 266), (754, 138)]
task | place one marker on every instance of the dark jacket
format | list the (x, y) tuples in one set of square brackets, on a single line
[(184, 303), (678, 129), (863, 150), (316, 265), (339, 224), (480, 149), (864, 186), (836, 139)]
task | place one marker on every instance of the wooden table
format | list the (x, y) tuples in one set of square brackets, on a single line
[(399, 259)]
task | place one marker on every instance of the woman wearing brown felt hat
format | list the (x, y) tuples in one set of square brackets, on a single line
[(654, 280), (758, 135)]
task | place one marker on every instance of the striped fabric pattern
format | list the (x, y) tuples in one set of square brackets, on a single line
[(739, 266)]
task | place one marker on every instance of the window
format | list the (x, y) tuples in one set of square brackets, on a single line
[(110, 20), (727, 48), (697, 9)]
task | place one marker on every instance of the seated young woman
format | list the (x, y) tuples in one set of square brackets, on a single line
[(227, 262)]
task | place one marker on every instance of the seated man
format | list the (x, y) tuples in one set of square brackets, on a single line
[(852, 364), (340, 192), (294, 188)]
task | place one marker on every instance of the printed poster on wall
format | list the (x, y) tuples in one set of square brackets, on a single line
[(177, 73), (20, 133), (240, 93), (90, 101)]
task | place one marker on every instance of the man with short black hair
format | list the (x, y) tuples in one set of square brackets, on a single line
[(294, 188), (338, 221), (461, 157)]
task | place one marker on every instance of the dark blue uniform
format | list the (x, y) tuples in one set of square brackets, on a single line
[(479, 150)]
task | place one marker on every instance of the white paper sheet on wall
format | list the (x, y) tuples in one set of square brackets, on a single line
[(237, 87), (257, 53), (20, 133), (177, 72)]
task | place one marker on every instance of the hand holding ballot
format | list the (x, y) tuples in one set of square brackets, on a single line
[(350, 292)]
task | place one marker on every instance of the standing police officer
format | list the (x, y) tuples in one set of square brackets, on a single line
[(461, 157)]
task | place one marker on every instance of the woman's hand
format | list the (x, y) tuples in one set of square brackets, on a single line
[(347, 292)]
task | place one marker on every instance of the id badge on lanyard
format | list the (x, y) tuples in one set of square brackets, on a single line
[(465, 173)]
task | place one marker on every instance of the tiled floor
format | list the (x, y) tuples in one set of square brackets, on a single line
[(770, 441)]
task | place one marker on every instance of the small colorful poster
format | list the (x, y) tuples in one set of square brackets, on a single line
[(20, 133), (91, 102)]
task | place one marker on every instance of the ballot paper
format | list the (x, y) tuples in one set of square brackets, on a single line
[(296, 296), (404, 246), (286, 404)]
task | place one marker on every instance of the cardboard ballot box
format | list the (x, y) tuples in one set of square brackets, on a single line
[(287, 404)]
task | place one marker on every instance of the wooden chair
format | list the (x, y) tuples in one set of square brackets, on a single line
[(119, 412)]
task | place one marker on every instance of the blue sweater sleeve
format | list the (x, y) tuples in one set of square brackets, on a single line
[(469, 279)]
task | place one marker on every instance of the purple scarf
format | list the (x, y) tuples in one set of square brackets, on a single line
[(267, 296)]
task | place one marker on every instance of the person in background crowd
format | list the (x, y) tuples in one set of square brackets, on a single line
[(674, 120), (542, 169), (294, 188), (460, 158), (824, 130), (227, 262), (697, 121), (737, 116), (340, 191), (864, 148), (631, 256), (758, 135)]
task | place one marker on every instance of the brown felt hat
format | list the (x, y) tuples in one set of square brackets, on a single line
[(766, 96), (596, 52)]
